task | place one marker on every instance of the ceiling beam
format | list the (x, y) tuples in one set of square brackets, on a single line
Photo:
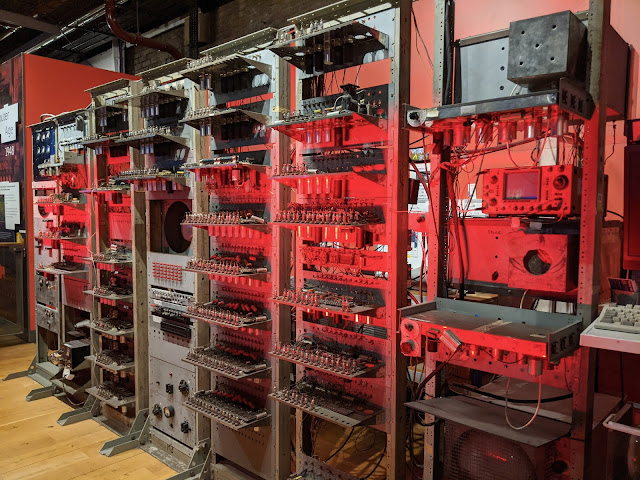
[(28, 22), (25, 46)]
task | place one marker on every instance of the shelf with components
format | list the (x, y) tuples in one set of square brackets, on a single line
[(334, 406), (328, 358), (101, 360), (229, 361), (113, 327), (230, 313), (226, 412), (112, 397), (208, 118)]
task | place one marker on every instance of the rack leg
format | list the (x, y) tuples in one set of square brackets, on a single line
[(138, 435), (199, 466), (90, 409)]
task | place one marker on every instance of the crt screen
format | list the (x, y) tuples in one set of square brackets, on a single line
[(522, 185)]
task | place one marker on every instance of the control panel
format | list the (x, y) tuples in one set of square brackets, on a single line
[(546, 190)]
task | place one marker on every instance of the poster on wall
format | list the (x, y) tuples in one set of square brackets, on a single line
[(12, 154)]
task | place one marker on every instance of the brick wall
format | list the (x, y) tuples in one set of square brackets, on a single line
[(138, 58), (242, 17), (233, 20)]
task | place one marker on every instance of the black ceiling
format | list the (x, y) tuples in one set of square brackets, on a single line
[(82, 36)]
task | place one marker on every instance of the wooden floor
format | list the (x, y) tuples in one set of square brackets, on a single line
[(34, 446)]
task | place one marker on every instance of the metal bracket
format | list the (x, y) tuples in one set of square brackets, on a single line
[(42, 373), (90, 409), (198, 468), (138, 435), (39, 393), (29, 371)]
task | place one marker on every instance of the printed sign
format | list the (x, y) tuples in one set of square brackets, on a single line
[(8, 121)]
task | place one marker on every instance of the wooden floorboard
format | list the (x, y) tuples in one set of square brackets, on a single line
[(35, 447)]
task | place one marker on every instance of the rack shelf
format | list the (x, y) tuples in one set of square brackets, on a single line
[(261, 277), (57, 271), (112, 401), (114, 332), (354, 312), (366, 372), (216, 117), (361, 126), (360, 415), (109, 297), (127, 367), (224, 65), (265, 372), (259, 324), (155, 137)]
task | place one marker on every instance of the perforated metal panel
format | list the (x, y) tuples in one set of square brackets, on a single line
[(476, 455)]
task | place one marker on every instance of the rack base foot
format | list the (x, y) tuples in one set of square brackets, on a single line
[(90, 409), (199, 465), (138, 435)]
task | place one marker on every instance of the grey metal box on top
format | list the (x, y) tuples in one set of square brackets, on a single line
[(544, 49)]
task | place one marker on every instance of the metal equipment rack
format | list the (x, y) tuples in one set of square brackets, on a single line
[(350, 266), (60, 226), (465, 327)]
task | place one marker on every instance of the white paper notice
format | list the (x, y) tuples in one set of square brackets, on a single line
[(10, 191), (8, 120)]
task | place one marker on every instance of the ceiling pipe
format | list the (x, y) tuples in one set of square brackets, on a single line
[(135, 39)]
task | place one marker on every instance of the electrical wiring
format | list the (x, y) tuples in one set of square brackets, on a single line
[(506, 405), (373, 443), (384, 452), (511, 158), (613, 148), (413, 297), (433, 373), (419, 35), (341, 446), (419, 140), (519, 401), (522, 299)]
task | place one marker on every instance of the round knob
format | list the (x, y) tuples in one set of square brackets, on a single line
[(407, 346), (183, 386), (561, 182), (157, 410), (169, 411)]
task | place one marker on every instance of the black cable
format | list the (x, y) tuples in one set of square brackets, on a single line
[(613, 149), (377, 464), (419, 140), (616, 214), (512, 400), (355, 442), (437, 370), (341, 446)]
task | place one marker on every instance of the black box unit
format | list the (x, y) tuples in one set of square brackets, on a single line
[(74, 352), (542, 50)]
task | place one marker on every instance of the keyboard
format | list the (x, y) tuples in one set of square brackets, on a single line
[(620, 318)]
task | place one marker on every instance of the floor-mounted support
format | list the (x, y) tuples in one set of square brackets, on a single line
[(42, 373), (138, 435), (29, 371), (199, 466), (90, 409)]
